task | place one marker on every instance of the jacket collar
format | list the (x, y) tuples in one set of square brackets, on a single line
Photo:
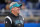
[(13, 15)]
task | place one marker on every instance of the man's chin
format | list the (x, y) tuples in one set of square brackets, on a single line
[(18, 12)]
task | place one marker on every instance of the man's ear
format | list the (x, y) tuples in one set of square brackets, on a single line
[(12, 11)]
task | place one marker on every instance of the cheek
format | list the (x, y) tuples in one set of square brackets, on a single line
[(18, 11)]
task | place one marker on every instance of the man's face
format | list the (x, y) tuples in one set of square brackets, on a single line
[(16, 9)]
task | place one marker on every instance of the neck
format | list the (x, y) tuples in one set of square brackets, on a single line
[(15, 13)]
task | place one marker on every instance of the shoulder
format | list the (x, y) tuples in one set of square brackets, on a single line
[(8, 18)]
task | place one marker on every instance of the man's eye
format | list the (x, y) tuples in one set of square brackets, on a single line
[(17, 7)]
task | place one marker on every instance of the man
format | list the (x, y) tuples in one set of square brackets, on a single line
[(14, 19)]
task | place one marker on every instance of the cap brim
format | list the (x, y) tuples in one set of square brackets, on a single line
[(19, 5)]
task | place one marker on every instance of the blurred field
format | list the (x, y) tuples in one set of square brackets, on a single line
[(2, 19)]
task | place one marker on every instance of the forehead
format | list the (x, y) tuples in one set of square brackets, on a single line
[(15, 8)]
